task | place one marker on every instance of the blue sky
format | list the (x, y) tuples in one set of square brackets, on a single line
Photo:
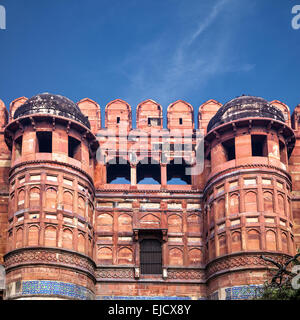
[(159, 49)]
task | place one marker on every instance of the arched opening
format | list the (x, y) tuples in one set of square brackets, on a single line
[(148, 172), (44, 142), (177, 172), (118, 171)]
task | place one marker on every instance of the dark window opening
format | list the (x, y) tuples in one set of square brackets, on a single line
[(74, 148), (118, 119), (18, 147), (151, 256), (229, 148), (259, 146), (44, 142), (178, 173), (118, 173), (180, 121), (154, 122), (282, 150), (148, 173)]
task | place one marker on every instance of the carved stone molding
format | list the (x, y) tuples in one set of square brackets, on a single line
[(244, 260), (176, 274), (114, 273), (44, 256)]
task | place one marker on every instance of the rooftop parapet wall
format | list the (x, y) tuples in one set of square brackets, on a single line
[(149, 114)]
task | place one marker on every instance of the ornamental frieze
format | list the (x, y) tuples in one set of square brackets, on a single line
[(115, 273), (44, 256), (232, 262), (186, 274)]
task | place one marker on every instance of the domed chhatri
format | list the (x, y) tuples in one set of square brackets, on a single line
[(245, 107), (47, 103)]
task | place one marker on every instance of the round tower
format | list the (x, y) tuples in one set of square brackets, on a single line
[(247, 197), (51, 201)]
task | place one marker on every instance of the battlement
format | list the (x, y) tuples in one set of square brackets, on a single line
[(150, 116)]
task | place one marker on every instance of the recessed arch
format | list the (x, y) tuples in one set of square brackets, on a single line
[(105, 255), (33, 235), (195, 256), (234, 203), (236, 242), (124, 223), (271, 240), (68, 201), (51, 198), (251, 201), (175, 257), (174, 223), (253, 237), (50, 236), (220, 208), (125, 256), (268, 201), (105, 222), (67, 239), (19, 238), (284, 242), (21, 199)]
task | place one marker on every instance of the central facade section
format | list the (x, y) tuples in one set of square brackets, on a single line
[(147, 212)]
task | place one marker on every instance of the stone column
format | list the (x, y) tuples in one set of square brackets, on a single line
[(133, 177), (163, 174)]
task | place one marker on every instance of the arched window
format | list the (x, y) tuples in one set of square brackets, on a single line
[(151, 256)]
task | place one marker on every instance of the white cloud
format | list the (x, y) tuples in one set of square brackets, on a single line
[(162, 70)]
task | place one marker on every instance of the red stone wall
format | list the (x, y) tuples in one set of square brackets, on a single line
[(65, 222)]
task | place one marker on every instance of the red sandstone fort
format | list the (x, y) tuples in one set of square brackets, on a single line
[(83, 218)]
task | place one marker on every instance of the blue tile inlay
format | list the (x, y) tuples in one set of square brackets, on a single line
[(46, 287), (243, 292)]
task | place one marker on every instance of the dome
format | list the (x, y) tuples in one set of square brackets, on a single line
[(245, 107), (51, 104)]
